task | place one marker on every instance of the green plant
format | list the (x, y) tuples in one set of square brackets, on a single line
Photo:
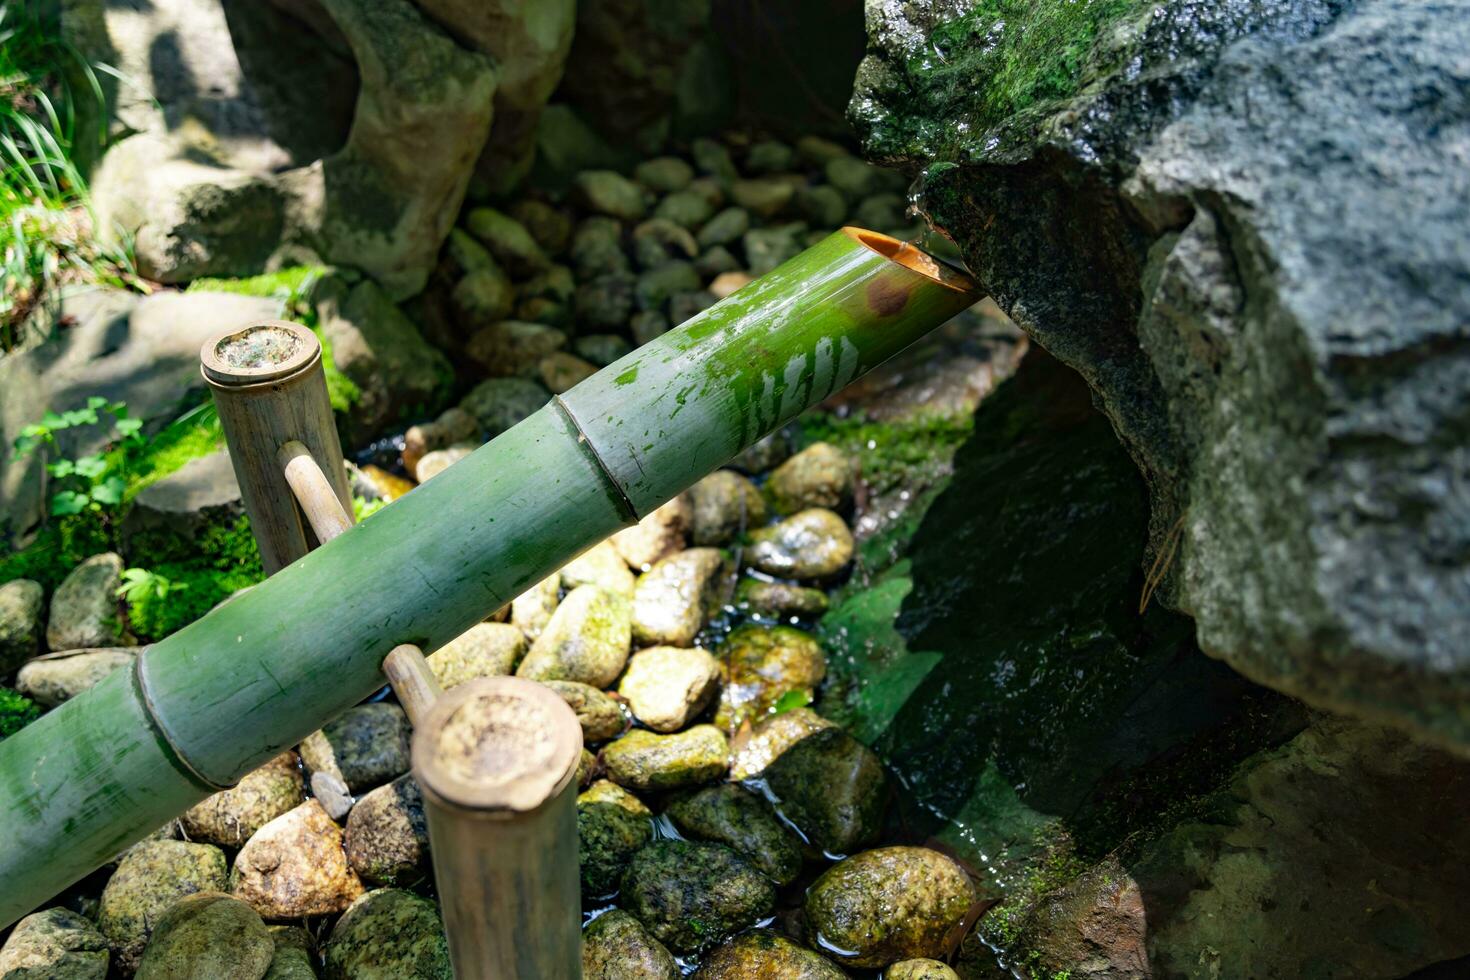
[(88, 482), (139, 585), (47, 88), (16, 712)]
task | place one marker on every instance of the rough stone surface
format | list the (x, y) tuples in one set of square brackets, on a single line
[(691, 896), (752, 751), (1234, 253), (151, 877), (763, 664), (388, 934), (602, 566), (643, 760), (208, 935), (483, 650), (612, 825), (677, 596), (812, 544), (295, 957), (586, 640), (84, 608), (893, 903), (722, 506), (502, 402), (201, 494), (666, 687), (365, 747), (294, 866), (21, 604), (745, 823), (780, 598), (531, 610), (230, 817), (759, 954), (658, 535), (54, 944), (832, 788), (53, 678), (615, 946), (599, 714), (818, 476), (387, 835)]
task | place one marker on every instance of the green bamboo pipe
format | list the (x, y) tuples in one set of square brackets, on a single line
[(255, 676)]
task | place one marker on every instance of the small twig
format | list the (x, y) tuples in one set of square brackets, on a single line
[(1162, 562)]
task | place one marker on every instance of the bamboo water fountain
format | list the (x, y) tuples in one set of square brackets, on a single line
[(224, 695)]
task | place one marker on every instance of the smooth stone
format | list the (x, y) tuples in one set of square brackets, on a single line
[(53, 678), (507, 240), (436, 462), (813, 544), (531, 610), (889, 904), (388, 934), (832, 788), (609, 192), (230, 817), (602, 348), (920, 969), (728, 282), (857, 179), (500, 403), (612, 825), (294, 867), (763, 955), (769, 157), (550, 226), (21, 602), (883, 211), (715, 262), (725, 228), (658, 241), (688, 209), (818, 476), (648, 324), (84, 608), (664, 175), (151, 877), (387, 835), (453, 427), (644, 760), (606, 302), (654, 287), (332, 793), (723, 505), (766, 248), (691, 896), (660, 534), (752, 750), (208, 935), (295, 957), (766, 197), (365, 747), (744, 822), (561, 372), (711, 189), (597, 247), (483, 650), (599, 714), (763, 665), (780, 598), (823, 206), (684, 307), (667, 687), (602, 566), (484, 296), (677, 596), (615, 946), (713, 159), (467, 254), (586, 640), (764, 454), (513, 347), (54, 944), (818, 151)]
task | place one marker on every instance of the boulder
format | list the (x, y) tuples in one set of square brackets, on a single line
[(54, 944), (198, 496), (1244, 291), (84, 607), (295, 956), (21, 605)]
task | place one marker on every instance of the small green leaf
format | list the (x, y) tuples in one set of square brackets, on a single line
[(91, 466), (128, 427), (68, 502), (96, 402), (109, 491), (61, 468), (791, 700), (53, 421)]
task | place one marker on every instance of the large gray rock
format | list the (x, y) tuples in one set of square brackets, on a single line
[(1235, 221), (21, 605), (201, 494), (84, 607), (143, 351)]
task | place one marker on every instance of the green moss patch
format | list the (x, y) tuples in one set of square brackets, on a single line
[(16, 712)]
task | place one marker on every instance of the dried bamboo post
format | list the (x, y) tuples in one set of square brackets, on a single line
[(413, 681), (315, 495), (270, 390), (496, 759)]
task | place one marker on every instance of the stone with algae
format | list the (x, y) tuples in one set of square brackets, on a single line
[(667, 687), (764, 664), (760, 954), (599, 713), (586, 640), (612, 826), (691, 896), (677, 596), (832, 788), (387, 835), (744, 822), (365, 747), (230, 817), (483, 650), (54, 944), (814, 544), (644, 760), (388, 934), (150, 879), (208, 934), (616, 946)]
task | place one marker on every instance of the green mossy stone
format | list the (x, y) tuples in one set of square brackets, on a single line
[(644, 760), (764, 454), (818, 476), (609, 192), (599, 714), (654, 287), (208, 935), (387, 835), (484, 296), (587, 639), (507, 240), (365, 747), (597, 247), (753, 751), (54, 944), (859, 180), (687, 209), (882, 212), (612, 826), (766, 248), (920, 969), (501, 403), (832, 788), (764, 663), (550, 226), (229, 817), (763, 955), (294, 958), (602, 349), (889, 904), (658, 241), (714, 261), (605, 302), (713, 160), (602, 566), (769, 157), (84, 607), (483, 650), (615, 946), (685, 306), (765, 197), (149, 880), (664, 175), (823, 206), (725, 228), (388, 934), (745, 823), (724, 505), (813, 544), (692, 896), (780, 598)]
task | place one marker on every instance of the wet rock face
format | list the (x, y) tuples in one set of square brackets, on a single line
[(365, 747), (753, 751), (743, 822), (230, 817), (666, 687), (294, 866), (724, 505), (643, 760), (675, 597), (812, 544), (615, 946), (386, 935), (891, 904), (691, 896), (151, 877), (612, 826), (208, 935), (761, 953), (833, 788), (55, 944), (1245, 292), (586, 640), (818, 476), (766, 663), (781, 598)]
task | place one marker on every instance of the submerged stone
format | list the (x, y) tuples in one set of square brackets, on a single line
[(833, 788), (387, 836), (676, 597), (388, 934), (691, 896), (295, 866), (208, 935), (365, 747), (643, 760), (764, 664), (229, 817), (745, 823), (764, 955), (818, 476), (890, 904), (780, 598), (612, 826), (615, 946), (813, 544), (54, 944), (754, 749), (586, 640), (724, 505), (599, 714), (666, 687), (149, 880), (483, 650)]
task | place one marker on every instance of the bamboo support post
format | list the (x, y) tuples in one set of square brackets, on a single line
[(270, 390), (222, 696), (314, 492), (496, 759), (413, 682)]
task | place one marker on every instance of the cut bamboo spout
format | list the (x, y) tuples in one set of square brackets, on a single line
[(226, 694)]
